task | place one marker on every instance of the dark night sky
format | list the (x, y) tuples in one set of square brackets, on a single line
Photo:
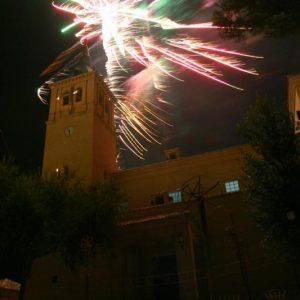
[(204, 115)]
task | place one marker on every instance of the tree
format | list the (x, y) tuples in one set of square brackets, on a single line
[(273, 175), (20, 224), (273, 18), (89, 220), (39, 216)]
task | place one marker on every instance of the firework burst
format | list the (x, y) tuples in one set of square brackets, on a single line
[(141, 58)]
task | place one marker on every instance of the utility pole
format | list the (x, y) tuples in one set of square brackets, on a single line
[(239, 252), (192, 190)]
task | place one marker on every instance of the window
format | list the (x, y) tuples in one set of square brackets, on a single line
[(66, 98), (175, 197), (172, 154), (158, 198), (232, 186), (78, 94)]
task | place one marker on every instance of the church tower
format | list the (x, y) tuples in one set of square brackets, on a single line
[(80, 132), (294, 99)]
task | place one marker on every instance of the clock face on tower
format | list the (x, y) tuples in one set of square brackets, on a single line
[(69, 131)]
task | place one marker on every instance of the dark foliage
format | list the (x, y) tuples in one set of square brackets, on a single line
[(273, 18), (39, 216), (273, 175)]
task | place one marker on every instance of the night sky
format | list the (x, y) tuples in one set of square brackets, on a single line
[(204, 113)]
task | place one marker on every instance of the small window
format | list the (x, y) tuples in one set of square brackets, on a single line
[(66, 98), (175, 197), (232, 186), (172, 154), (158, 198), (78, 94)]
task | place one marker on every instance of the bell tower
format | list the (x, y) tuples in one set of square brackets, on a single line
[(80, 132), (294, 99)]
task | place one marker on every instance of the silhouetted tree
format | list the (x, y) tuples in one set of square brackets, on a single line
[(21, 226), (271, 17), (273, 175), (39, 216)]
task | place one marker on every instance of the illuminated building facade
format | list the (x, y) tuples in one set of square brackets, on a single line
[(80, 125), (186, 233)]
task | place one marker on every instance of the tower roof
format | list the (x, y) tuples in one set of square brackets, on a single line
[(71, 62)]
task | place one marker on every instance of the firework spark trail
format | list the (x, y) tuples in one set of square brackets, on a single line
[(130, 32)]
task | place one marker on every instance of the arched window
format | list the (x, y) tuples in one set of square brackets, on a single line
[(66, 98), (78, 94)]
